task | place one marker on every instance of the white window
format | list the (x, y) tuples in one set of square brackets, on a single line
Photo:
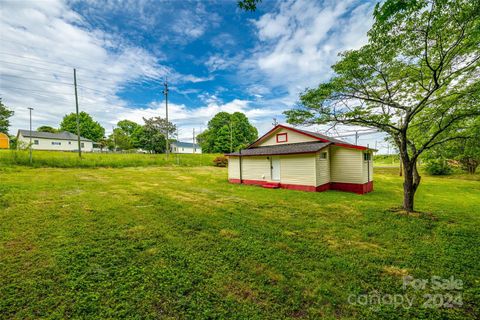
[(69, 142), (367, 156), (323, 155), (56, 143), (282, 137), (82, 144), (35, 142)]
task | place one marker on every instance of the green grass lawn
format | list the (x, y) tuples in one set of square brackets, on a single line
[(180, 242), (94, 160)]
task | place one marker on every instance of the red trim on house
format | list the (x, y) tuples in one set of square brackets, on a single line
[(274, 154), (353, 187), (349, 187), (323, 187), (282, 134), (350, 146)]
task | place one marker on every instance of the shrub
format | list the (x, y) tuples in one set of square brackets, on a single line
[(437, 167), (220, 161)]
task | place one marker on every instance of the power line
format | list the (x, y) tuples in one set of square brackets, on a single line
[(34, 59), (36, 79), (29, 66), (34, 90), (80, 68)]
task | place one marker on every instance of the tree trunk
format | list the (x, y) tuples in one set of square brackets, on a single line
[(410, 185), (408, 191)]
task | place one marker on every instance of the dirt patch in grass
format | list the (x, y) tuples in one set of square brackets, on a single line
[(415, 214), (395, 271)]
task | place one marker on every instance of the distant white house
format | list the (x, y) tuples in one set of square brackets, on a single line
[(184, 147), (61, 141)]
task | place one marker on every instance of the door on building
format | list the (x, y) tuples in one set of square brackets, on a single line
[(275, 168)]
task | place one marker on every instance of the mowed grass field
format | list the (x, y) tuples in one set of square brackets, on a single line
[(182, 243), (99, 160)]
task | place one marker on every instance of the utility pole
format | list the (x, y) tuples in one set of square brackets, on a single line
[(114, 140), (31, 159), (275, 122), (356, 137), (78, 117), (165, 92), (176, 152), (231, 137), (193, 140)]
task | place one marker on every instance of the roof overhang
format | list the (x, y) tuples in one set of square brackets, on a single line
[(284, 149)]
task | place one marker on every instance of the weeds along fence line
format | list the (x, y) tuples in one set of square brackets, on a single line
[(58, 159)]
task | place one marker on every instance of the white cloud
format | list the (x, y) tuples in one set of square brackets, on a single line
[(301, 39), (186, 118), (43, 41)]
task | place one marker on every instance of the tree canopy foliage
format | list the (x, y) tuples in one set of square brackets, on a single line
[(248, 5), (5, 115), (465, 151), (89, 128), (47, 129), (227, 132), (415, 79)]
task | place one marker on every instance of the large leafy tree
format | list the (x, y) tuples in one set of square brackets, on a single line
[(128, 126), (152, 135), (130, 133), (417, 77), (227, 132), (89, 128), (120, 140), (5, 115)]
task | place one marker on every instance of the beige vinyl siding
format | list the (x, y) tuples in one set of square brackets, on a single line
[(233, 168), (366, 170), (346, 165), (256, 168), (298, 169), (292, 136), (322, 167)]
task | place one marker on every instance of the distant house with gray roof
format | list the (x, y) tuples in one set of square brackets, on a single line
[(184, 147), (59, 141)]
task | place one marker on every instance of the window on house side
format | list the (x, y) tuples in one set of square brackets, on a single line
[(282, 137), (367, 156), (35, 142), (82, 144), (323, 155)]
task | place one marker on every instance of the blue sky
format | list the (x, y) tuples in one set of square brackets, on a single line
[(216, 57)]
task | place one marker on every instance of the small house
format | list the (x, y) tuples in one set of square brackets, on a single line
[(4, 141), (296, 159), (184, 147), (59, 141)]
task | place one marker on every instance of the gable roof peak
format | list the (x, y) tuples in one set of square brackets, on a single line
[(318, 136)]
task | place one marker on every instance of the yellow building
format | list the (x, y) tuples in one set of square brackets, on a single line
[(4, 141), (290, 158)]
